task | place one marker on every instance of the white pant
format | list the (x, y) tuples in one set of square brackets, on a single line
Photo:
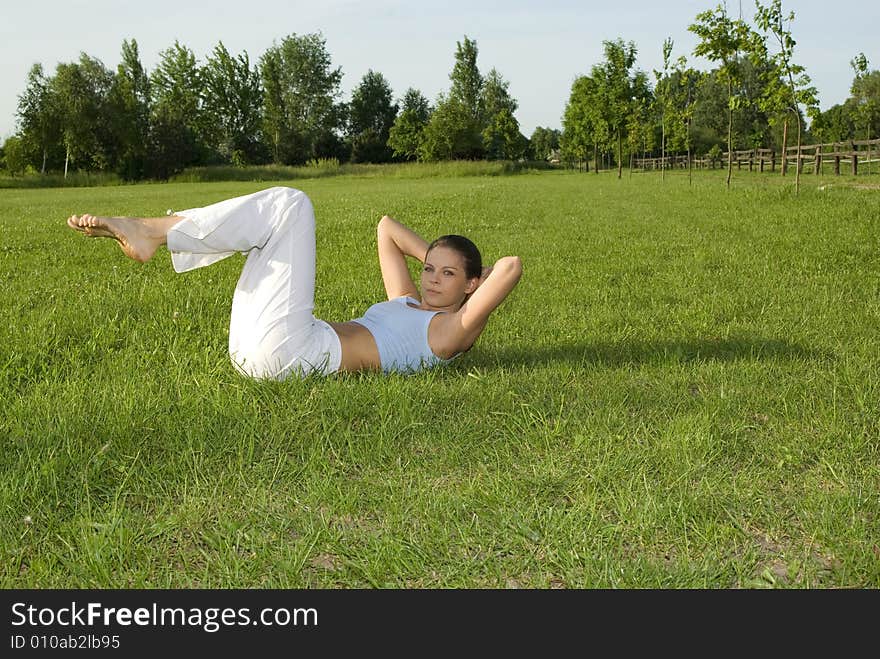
[(272, 332)]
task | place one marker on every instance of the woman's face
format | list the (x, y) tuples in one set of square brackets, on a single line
[(444, 280)]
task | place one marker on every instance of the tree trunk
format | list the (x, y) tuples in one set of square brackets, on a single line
[(619, 155), (66, 160), (729, 132), (45, 156), (663, 150), (797, 176), (690, 167), (784, 144), (596, 157)]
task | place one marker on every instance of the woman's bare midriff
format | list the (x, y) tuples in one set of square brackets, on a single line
[(359, 351)]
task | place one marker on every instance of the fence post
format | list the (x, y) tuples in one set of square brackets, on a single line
[(818, 160), (855, 163), (836, 165), (773, 161)]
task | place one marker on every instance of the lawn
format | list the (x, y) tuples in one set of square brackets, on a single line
[(682, 392)]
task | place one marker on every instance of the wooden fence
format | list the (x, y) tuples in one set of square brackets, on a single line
[(813, 157)]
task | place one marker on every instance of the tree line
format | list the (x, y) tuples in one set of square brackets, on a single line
[(751, 99), (285, 108)]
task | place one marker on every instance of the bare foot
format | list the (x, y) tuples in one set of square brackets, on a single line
[(137, 238)]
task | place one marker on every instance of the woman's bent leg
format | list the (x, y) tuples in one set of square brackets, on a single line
[(272, 331)]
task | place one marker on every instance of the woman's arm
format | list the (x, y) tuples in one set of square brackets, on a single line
[(495, 285), (395, 242)]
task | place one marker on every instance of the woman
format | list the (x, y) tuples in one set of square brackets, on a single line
[(272, 332)]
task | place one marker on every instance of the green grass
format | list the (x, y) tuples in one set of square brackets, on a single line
[(682, 392)]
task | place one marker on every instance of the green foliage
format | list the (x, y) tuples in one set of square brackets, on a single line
[(583, 126), (834, 125), (451, 134), (619, 96), (371, 114), (502, 139), (39, 121), (467, 82), (663, 92), (15, 156), (80, 92), (722, 39), (130, 114), (859, 115), (177, 128), (476, 119), (865, 90), (232, 99), (405, 136), (544, 142), (685, 88), (286, 109), (796, 90), (301, 89)]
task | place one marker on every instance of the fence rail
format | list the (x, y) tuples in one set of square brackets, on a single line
[(850, 153)]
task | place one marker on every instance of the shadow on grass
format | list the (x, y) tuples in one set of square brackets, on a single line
[(628, 352)]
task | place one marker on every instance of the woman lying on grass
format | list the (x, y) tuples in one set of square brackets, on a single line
[(273, 333)]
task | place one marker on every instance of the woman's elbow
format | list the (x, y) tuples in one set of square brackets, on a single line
[(512, 264)]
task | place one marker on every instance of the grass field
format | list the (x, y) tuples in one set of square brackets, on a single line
[(682, 392)]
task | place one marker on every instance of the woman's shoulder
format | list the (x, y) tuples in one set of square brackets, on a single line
[(445, 335)]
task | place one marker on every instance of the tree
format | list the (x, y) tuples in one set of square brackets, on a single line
[(177, 124), (130, 103), (859, 114), (13, 156), (274, 125), (448, 135), (467, 83), (405, 136), (456, 125), (865, 92), (640, 122), (663, 99), (232, 97), (836, 124), (300, 92), (495, 96), (81, 91), (620, 91), (584, 125), (371, 114), (685, 83), (502, 139), (798, 90), (37, 116), (544, 142), (721, 40)]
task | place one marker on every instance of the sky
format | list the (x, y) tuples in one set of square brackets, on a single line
[(539, 47)]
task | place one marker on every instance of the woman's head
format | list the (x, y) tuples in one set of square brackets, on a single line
[(452, 271)]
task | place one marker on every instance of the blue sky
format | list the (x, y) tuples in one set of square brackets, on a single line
[(539, 47)]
